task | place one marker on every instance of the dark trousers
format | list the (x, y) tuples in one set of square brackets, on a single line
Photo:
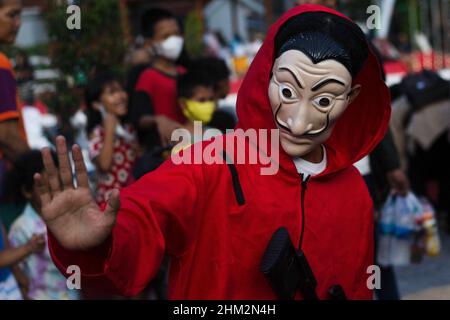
[(433, 165)]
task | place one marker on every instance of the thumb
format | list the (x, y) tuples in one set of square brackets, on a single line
[(113, 205)]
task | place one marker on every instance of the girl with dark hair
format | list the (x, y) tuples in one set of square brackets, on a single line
[(112, 142)]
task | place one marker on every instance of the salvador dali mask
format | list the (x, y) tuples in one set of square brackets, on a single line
[(307, 99)]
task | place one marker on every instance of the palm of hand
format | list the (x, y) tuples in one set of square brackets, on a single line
[(71, 213)]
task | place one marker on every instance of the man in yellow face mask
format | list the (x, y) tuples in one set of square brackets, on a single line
[(196, 100), (195, 110)]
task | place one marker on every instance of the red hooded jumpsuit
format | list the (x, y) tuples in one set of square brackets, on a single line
[(215, 223)]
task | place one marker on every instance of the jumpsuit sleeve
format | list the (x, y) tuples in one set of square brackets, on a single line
[(155, 216)]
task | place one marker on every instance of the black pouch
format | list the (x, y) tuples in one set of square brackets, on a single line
[(287, 269)]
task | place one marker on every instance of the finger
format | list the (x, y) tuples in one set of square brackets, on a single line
[(51, 171), (42, 189), (80, 168), (65, 169)]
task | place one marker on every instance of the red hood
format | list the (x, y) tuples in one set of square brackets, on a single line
[(356, 133)]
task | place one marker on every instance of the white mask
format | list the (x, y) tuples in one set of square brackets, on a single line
[(305, 112), (170, 48)]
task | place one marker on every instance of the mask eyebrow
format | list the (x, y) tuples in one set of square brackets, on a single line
[(325, 82), (293, 75)]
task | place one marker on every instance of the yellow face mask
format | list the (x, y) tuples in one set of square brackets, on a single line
[(199, 111)]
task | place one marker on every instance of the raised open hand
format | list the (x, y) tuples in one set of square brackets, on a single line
[(69, 210)]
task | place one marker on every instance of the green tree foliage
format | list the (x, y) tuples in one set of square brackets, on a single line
[(76, 54), (193, 32), (355, 9), (99, 42)]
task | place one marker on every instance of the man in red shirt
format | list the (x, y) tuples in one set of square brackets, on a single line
[(154, 102)]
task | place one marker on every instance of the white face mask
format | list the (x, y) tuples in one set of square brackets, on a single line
[(170, 48)]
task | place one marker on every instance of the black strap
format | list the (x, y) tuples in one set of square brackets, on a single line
[(235, 178)]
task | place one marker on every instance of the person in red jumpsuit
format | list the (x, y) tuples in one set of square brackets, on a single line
[(316, 88)]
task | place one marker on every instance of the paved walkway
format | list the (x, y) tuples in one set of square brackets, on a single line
[(439, 293), (428, 280)]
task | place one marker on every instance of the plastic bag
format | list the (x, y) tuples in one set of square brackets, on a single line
[(407, 212), (398, 224)]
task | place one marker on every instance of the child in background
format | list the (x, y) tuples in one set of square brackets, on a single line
[(10, 275), (13, 283), (155, 101), (196, 100), (218, 73), (112, 143), (45, 281)]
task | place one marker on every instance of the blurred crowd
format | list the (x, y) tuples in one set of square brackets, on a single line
[(124, 128)]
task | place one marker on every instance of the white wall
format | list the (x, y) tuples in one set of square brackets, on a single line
[(218, 17), (33, 30)]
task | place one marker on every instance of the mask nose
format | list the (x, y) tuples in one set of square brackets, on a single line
[(300, 123)]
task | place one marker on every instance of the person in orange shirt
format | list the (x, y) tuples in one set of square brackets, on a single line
[(12, 134)]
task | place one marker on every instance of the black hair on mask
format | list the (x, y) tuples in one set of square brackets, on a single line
[(323, 36)]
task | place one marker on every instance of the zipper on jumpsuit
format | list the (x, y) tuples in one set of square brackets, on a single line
[(335, 292), (309, 285), (304, 186)]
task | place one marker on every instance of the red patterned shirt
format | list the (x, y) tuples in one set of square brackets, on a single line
[(120, 174)]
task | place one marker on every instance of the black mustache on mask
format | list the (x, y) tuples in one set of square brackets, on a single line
[(305, 134)]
